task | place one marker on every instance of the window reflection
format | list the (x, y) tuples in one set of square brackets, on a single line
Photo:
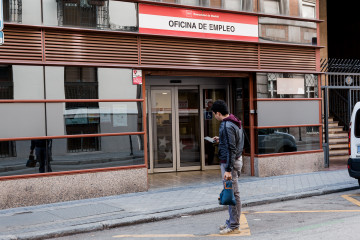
[(82, 117), (293, 139), (7, 149), (116, 151), (6, 83)]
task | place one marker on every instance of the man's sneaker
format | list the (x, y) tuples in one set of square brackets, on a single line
[(222, 227), (230, 231)]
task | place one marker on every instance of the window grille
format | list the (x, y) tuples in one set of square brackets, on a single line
[(272, 83), (6, 83), (84, 13), (12, 11), (7, 149), (311, 84), (81, 83)]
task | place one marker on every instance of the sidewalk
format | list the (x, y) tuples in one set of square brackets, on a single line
[(59, 219)]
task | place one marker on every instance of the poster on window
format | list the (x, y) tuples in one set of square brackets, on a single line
[(197, 23), (120, 115), (105, 115)]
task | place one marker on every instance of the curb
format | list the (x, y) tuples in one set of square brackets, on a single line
[(102, 225)]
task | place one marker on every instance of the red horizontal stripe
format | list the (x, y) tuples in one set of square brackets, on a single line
[(198, 35), (67, 100), (50, 174), (73, 136), (189, 13)]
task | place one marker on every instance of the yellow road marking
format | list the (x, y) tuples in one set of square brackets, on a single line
[(306, 211), (244, 227), (353, 200), (155, 236)]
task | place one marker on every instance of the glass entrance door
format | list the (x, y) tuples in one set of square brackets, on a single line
[(175, 131)]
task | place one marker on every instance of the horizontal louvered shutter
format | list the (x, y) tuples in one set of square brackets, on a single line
[(90, 47), (21, 45), (274, 57), (197, 53)]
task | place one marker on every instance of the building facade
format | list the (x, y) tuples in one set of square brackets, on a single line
[(70, 73)]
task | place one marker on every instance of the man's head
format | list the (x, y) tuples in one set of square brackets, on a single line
[(220, 109)]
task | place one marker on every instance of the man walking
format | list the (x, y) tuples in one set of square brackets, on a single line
[(231, 143)]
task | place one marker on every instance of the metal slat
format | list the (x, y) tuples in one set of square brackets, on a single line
[(84, 47)]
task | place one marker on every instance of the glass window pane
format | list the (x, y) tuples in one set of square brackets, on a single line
[(107, 117), (162, 124), (293, 139), (308, 11), (282, 30), (28, 82), (52, 155), (232, 5), (116, 83), (189, 2), (211, 125), (272, 7), (100, 14), (6, 83), (7, 149), (357, 124), (268, 87), (22, 120), (12, 10)]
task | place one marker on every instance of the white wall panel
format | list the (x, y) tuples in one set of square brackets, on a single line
[(22, 120), (28, 82)]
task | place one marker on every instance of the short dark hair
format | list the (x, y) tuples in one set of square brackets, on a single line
[(220, 106)]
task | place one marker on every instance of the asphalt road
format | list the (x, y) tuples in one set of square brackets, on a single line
[(330, 217)]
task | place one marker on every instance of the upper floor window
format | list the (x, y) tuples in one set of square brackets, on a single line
[(86, 13), (272, 6), (236, 5), (308, 8), (12, 10), (275, 7), (6, 83)]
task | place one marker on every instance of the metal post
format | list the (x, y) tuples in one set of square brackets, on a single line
[(326, 116), (131, 146), (350, 106)]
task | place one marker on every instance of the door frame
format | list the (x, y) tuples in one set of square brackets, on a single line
[(176, 167), (202, 87), (189, 73)]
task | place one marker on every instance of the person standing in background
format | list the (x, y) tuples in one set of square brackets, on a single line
[(43, 153)]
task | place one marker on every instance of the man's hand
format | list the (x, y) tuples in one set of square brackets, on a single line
[(216, 139), (227, 176)]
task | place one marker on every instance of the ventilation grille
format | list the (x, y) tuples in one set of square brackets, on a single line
[(192, 53), (90, 47), (287, 58), (21, 44)]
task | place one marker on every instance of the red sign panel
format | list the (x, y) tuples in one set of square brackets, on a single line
[(197, 23)]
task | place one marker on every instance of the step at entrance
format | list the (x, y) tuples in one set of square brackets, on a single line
[(338, 144)]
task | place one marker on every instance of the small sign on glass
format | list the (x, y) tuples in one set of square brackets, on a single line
[(137, 77)]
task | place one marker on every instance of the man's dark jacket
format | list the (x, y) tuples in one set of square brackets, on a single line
[(231, 144)]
